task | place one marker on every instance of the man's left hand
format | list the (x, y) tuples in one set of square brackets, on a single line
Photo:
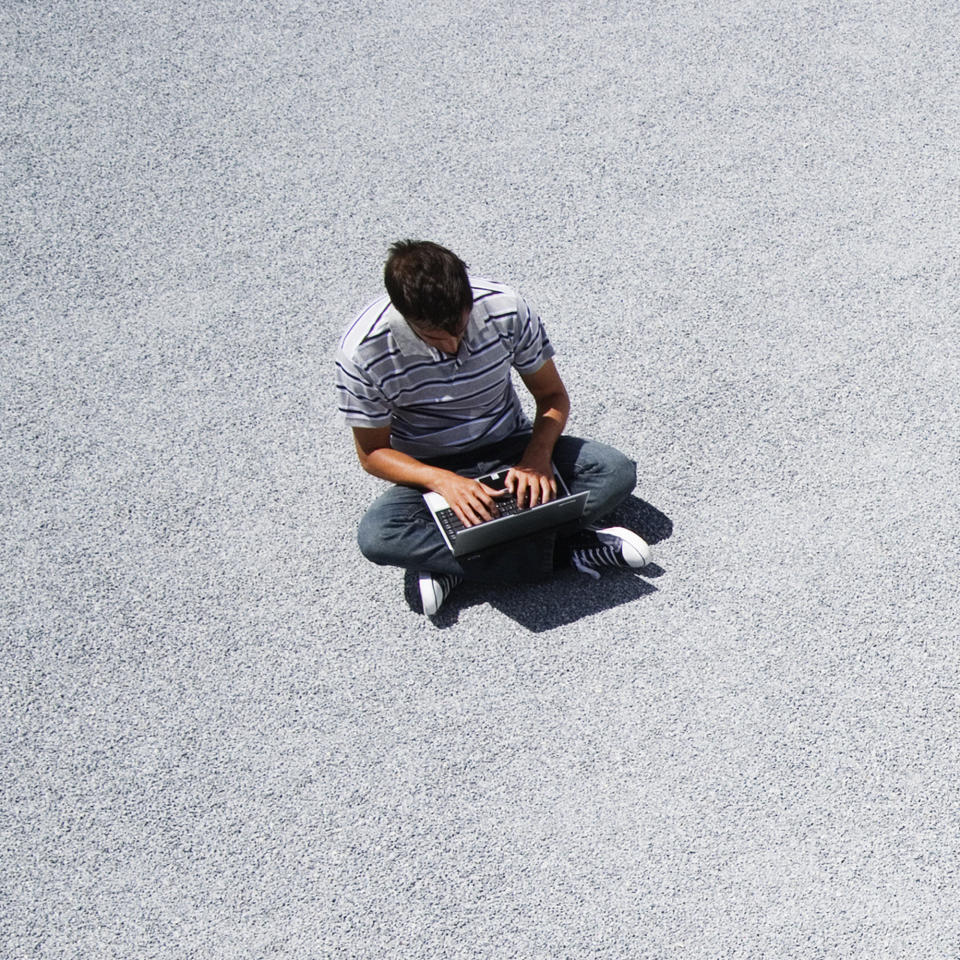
[(533, 483)]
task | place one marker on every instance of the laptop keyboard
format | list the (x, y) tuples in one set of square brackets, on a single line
[(452, 524)]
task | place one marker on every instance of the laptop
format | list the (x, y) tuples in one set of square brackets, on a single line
[(513, 521)]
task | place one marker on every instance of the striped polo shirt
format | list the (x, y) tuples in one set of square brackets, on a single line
[(434, 403)]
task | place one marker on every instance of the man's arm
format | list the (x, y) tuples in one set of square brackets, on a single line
[(471, 500), (532, 478)]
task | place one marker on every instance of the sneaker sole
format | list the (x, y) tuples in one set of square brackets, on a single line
[(430, 602)]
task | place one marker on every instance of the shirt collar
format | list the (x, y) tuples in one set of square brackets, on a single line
[(411, 345)]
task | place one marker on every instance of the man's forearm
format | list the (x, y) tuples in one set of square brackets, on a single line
[(472, 501), (548, 427), (397, 467)]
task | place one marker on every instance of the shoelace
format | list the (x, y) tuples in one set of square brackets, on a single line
[(587, 560), (443, 583)]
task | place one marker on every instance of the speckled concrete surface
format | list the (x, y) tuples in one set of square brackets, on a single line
[(225, 735)]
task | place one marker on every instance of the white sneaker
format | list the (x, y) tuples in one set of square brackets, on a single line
[(616, 547), (434, 589)]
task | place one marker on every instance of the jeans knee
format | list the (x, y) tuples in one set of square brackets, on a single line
[(623, 476), (369, 540)]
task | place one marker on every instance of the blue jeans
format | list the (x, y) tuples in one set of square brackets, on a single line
[(398, 529)]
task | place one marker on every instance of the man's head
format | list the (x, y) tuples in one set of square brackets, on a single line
[(428, 284)]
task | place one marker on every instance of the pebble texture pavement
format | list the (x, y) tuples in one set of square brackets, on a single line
[(225, 735)]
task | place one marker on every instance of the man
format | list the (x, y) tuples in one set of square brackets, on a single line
[(423, 376)]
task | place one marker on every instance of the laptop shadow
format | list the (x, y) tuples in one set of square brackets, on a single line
[(568, 596)]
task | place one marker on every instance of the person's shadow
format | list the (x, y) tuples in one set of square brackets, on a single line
[(568, 596)]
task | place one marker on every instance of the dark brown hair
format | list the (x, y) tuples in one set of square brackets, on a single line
[(428, 284)]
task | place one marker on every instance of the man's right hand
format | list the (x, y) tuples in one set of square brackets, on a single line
[(472, 501)]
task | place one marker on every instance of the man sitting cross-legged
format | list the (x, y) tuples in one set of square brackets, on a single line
[(423, 376)]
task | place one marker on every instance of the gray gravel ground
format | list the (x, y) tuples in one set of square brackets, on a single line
[(225, 735)]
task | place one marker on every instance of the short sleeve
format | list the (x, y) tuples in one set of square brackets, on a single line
[(532, 347), (360, 402)]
